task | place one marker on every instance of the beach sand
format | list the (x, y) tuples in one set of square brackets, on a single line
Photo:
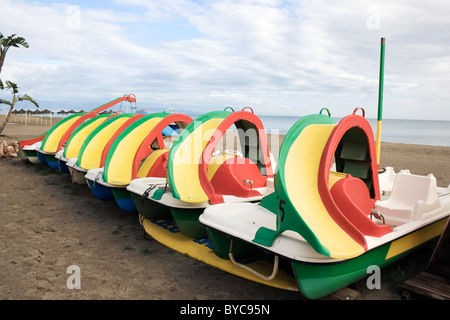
[(48, 224)]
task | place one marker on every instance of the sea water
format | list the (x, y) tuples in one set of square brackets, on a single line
[(424, 132)]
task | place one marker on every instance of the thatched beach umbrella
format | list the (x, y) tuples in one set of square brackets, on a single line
[(14, 112)]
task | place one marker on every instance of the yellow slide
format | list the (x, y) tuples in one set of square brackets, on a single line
[(54, 135), (190, 166), (184, 168), (91, 152), (80, 134), (302, 198), (118, 165), (302, 168)]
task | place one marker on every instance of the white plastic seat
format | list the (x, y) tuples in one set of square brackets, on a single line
[(386, 181), (411, 196)]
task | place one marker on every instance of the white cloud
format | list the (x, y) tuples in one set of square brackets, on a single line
[(277, 56)]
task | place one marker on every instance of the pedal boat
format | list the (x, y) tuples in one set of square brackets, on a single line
[(199, 175), (329, 228), (77, 138), (29, 147), (55, 139), (138, 150), (92, 154)]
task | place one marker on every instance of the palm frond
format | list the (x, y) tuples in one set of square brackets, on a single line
[(19, 41), (13, 86), (13, 41), (28, 98), (2, 101)]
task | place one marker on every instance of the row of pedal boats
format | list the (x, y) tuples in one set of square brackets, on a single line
[(313, 221)]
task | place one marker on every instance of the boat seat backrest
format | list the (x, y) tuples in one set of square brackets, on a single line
[(354, 150), (409, 188), (355, 158), (411, 196)]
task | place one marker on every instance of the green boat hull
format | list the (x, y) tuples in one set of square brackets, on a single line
[(220, 243), (30, 154), (187, 222), (317, 280), (150, 209)]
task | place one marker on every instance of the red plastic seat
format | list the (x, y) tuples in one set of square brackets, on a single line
[(353, 200), (238, 176), (159, 168)]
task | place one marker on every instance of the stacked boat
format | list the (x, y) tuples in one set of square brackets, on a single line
[(139, 150), (313, 223), (44, 147)]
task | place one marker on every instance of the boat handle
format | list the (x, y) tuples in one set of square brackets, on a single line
[(256, 273), (326, 109), (358, 108), (147, 192), (145, 195), (170, 109), (250, 182), (377, 214), (96, 178)]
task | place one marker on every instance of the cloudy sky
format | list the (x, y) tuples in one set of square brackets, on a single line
[(288, 57)]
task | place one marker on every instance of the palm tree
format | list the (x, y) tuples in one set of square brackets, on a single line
[(8, 42), (12, 86)]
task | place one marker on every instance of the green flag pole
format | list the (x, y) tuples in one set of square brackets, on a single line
[(380, 100)]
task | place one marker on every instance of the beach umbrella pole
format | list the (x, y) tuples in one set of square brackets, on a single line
[(380, 100)]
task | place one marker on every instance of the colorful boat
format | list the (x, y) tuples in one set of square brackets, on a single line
[(56, 138), (29, 147), (92, 153), (77, 138), (198, 175), (333, 214), (140, 149)]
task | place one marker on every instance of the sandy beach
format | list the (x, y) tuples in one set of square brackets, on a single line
[(48, 224)]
